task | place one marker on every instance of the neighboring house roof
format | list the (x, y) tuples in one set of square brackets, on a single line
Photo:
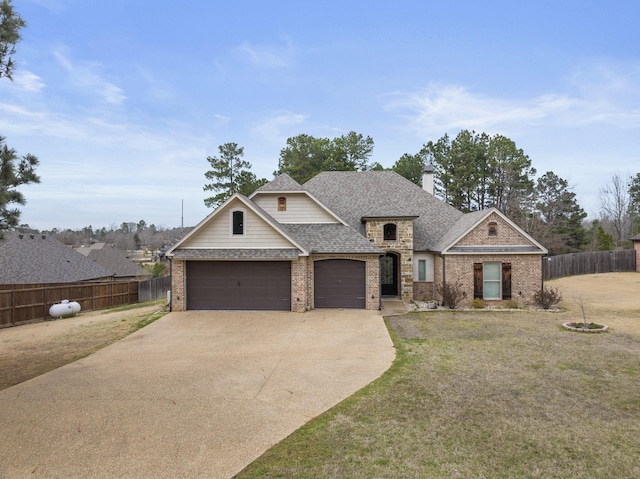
[(353, 195), (112, 259), (636, 238), (37, 259)]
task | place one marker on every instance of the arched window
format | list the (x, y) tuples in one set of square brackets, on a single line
[(493, 229), (237, 227), (390, 232), (282, 204)]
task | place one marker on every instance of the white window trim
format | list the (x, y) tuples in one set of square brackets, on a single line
[(429, 267), (485, 281)]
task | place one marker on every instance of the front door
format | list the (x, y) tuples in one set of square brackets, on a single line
[(389, 274)]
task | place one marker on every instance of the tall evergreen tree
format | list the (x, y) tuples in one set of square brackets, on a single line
[(14, 170), (229, 174), (305, 156), (474, 171), (560, 227)]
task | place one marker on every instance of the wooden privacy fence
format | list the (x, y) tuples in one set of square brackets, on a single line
[(22, 305), (154, 288), (590, 262)]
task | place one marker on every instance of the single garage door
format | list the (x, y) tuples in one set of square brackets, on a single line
[(339, 283), (247, 285)]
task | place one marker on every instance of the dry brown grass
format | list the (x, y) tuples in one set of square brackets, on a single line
[(490, 394), (30, 350)]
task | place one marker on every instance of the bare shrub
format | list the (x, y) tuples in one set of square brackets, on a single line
[(547, 297), (451, 294)]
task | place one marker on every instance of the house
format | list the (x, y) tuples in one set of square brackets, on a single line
[(345, 240), (114, 260), (39, 259)]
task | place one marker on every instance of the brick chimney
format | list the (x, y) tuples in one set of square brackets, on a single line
[(427, 178)]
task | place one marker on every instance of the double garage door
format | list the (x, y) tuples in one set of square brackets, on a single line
[(246, 285), (266, 285)]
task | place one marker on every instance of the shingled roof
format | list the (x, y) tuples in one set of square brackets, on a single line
[(354, 195), (112, 259), (281, 182), (38, 259), (330, 238)]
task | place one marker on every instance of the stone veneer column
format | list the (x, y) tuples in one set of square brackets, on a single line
[(177, 285), (402, 245)]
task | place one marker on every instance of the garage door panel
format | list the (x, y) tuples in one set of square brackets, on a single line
[(339, 283), (253, 285)]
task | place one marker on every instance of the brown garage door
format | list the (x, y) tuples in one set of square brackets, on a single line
[(247, 285), (339, 283)]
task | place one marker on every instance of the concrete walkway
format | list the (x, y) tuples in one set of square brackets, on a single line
[(192, 395)]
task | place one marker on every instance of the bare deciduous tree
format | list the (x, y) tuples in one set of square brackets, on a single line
[(614, 208)]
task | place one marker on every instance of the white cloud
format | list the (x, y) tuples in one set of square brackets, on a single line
[(84, 76), (268, 56), (599, 96), (277, 127), (28, 81)]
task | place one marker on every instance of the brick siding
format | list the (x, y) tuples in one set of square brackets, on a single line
[(526, 274), (177, 285), (506, 234), (299, 298)]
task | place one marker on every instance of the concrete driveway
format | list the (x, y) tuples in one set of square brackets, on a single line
[(195, 394)]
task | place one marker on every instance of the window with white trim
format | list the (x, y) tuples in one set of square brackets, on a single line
[(492, 279), (422, 270)]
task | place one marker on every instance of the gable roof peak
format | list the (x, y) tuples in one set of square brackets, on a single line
[(281, 182)]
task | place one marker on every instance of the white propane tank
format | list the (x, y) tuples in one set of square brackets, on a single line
[(64, 308)]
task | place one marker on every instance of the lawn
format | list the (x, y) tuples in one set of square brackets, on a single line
[(33, 349), (490, 394)]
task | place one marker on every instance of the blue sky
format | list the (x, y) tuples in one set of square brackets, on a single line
[(123, 100)]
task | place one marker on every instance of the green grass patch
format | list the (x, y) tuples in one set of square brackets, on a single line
[(479, 396)]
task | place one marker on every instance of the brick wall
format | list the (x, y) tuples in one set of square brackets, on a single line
[(424, 291), (177, 285), (506, 234), (402, 245), (636, 246), (526, 274), (299, 299)]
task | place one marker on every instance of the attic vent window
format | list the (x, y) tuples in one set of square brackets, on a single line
[(282, 204), (238, 223), (390, 232), (493, 229)]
